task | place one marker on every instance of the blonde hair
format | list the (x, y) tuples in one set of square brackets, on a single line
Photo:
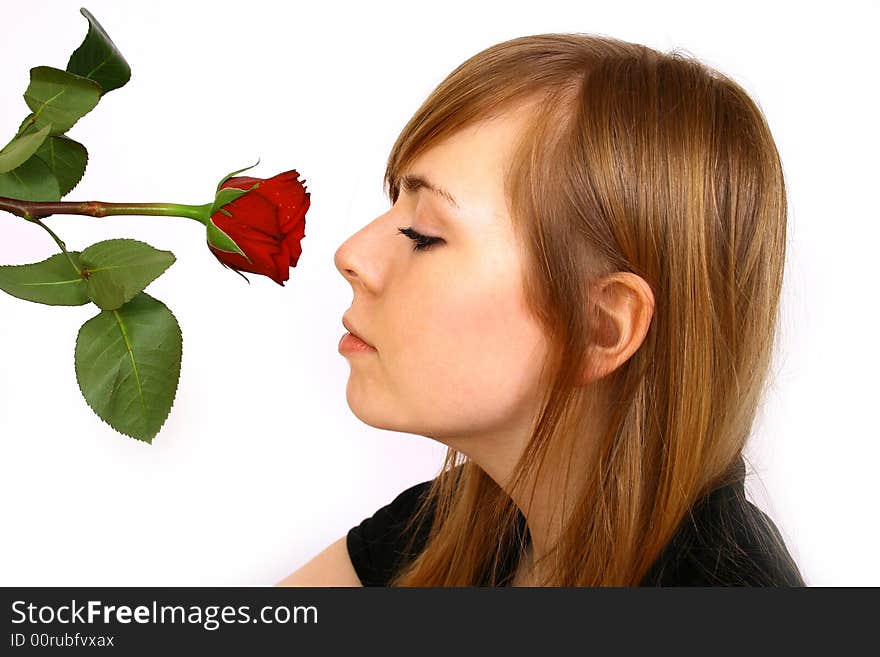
[(637, 161)]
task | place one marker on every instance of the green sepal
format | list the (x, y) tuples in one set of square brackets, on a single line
[(242, 275), (219, 239), (228, 176), (225, 266), (228, 195)]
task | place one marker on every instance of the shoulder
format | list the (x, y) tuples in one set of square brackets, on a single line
[(378, 544), (726, 540)]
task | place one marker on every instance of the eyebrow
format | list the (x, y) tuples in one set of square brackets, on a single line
[(413, 181)]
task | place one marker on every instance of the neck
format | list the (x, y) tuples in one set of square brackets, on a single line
[(547, 497)]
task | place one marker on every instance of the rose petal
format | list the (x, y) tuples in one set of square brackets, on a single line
[(267, 224)]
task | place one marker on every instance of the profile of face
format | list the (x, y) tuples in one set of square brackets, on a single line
[(457, 354)]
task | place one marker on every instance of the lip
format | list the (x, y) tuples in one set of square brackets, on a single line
[(348, 326), (350, 344)]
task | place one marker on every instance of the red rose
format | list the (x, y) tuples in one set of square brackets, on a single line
[(266, 223)]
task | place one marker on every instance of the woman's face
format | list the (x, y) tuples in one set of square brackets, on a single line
[(457, 355)]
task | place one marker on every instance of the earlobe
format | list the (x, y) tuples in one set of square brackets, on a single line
[(624, 306)]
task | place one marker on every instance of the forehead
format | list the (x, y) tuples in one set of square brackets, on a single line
[(478, 150), (471, 165)]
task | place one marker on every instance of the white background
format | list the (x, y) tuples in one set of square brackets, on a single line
[(261, 463)]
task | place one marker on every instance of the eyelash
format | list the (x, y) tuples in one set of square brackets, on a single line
[(420, 242)]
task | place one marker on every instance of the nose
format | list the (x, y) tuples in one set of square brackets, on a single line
[(342, 260), (356, 259), (359, 258)]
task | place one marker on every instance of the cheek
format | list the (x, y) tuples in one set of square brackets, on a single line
[(468, 357)]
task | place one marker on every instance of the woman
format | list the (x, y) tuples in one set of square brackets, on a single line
[(576, 290)]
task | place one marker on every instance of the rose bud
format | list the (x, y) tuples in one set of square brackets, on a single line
[(266, 221)]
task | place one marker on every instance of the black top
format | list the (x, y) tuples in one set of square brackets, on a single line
[(725, 541)]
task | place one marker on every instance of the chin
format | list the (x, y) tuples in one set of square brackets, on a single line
[(366, 411), (384, 419)]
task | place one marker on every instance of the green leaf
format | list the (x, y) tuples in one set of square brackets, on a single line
[(118, 269), (31, 181), (98, 58), (128, 365), (53, 281), (60, 98), (21, 147), (221, 240), (67, 159), (28, 126)]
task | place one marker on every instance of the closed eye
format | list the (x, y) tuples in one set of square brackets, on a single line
[(420, 242)]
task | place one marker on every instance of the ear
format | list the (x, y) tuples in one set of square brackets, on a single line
[(624, 309)]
